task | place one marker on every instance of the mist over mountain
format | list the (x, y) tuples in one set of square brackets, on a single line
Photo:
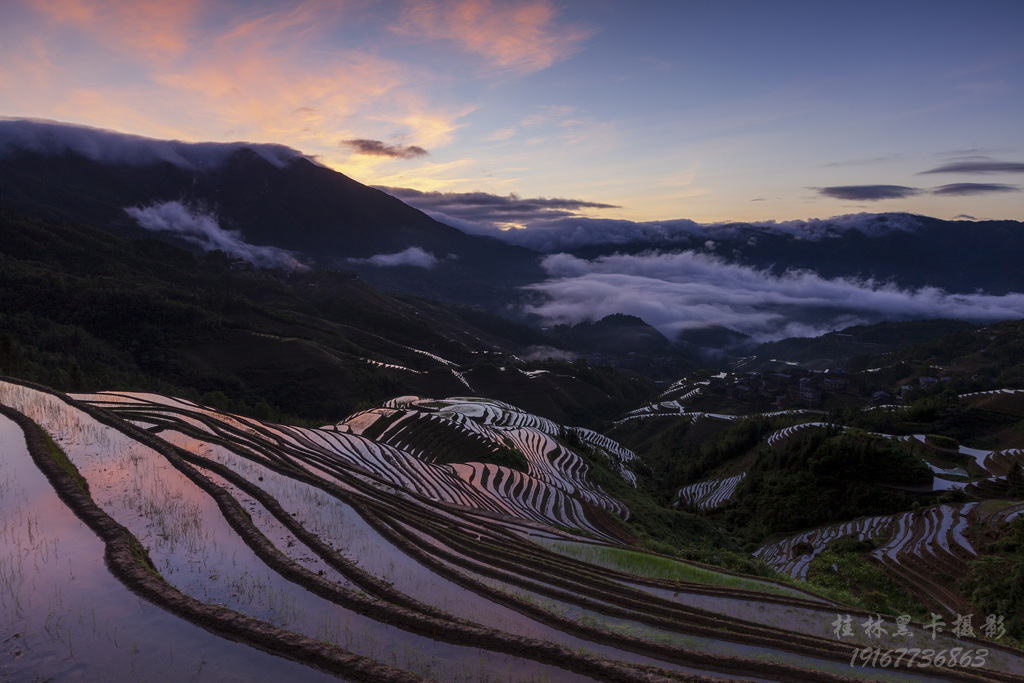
[(266, 196), (765, 280), (274, 207), (242, 326), (679, 292), (52, 138), (907, 249)]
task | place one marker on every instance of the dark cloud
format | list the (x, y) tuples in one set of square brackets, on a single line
[(868, 193), (980, 166), (962, 189), (965, 216), (381, 149), (482, 212)]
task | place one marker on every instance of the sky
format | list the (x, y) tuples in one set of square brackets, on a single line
[(638, 110)]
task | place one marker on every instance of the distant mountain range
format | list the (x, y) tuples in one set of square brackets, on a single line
[(273, 206), (908, 250)]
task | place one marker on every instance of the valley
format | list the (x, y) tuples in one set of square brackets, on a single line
[(450, 539), (311, 433)]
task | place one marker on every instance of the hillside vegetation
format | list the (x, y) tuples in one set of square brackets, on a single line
[(894, 485), (566, 493), (82, 310)]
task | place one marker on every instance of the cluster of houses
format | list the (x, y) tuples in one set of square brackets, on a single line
[(795, 387), (800, 387)]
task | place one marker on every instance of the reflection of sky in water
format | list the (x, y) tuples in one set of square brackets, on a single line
[(195, 549), (64, 616)]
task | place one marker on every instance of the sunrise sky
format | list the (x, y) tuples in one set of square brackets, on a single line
[(710, 110)]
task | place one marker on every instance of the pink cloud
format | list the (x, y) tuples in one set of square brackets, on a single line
[(519, 36), (268, 73), (150, 29)]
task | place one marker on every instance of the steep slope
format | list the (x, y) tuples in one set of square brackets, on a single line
[(82, 309), (272, 198)]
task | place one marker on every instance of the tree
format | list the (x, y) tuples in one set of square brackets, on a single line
[(1015, 481), (10, 354)]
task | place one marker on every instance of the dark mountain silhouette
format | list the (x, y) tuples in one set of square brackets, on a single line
[(85, 310), (325, 217), (617, 333)]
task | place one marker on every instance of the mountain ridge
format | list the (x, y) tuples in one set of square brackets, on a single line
[(326, 218)]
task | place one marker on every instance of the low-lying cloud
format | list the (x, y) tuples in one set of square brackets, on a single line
[(108, 147), (689, 290), (378, 148), (549, 225), (413, 256), (201, 229), (868, 193), (575, 232), (542, 353)]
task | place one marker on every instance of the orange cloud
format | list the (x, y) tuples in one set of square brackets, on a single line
[(520, 36), (273, 73), (259, 79)]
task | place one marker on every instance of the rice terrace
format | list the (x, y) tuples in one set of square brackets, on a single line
[(511, 341), (190, 543)]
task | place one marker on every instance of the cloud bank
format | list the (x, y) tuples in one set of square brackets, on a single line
[(304, 73), (688, 290), (202, 230), (108, 147), (573, 232), (554, 224), (413, 256), (877, 192), (381, 149)]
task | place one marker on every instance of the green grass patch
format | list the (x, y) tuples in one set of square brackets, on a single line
[(671, 530), (844, 575), (58, 455), (995, 580), (509, 457), (142, 559)]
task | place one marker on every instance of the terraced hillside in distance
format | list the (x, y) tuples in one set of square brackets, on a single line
[(927, 548), (921, 547), (897, 486), (455, 540)]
